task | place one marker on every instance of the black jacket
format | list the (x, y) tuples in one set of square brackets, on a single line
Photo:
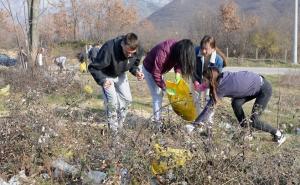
[(111, 62), (93, 53)]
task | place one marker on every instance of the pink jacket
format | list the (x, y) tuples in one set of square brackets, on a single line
[(159, 62)]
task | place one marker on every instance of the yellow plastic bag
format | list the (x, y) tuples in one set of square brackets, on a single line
[(168, 158), (182, 102), (5, 90), (82, 67), (88, 89)]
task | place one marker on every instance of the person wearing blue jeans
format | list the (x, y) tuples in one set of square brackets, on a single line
[(166, 55), (156, 93)]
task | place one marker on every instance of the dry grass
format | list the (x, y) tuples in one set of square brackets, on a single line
[(51, 117)]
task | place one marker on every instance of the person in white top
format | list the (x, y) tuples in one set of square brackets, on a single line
[(60, 62), (40, 57)]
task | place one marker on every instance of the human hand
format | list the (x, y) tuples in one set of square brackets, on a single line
[(177, 77), (200, 87), (107, 84), (203, 86), (162, 92), (139, 75), (196, 86)]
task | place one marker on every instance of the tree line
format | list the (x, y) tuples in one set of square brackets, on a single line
[(98, 20)]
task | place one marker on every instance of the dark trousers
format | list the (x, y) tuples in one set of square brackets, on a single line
[(261, 100)]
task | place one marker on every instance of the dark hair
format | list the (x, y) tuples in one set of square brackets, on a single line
[(207, 39), (184, 53), (131, 40), (212, 74)]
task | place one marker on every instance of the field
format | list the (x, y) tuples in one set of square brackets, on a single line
[(52, 117)]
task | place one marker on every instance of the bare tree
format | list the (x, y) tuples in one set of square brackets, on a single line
[(75, 12), (235, 28), (6, 4), (33, 34)]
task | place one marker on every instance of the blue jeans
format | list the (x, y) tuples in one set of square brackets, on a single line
[(156, 93)]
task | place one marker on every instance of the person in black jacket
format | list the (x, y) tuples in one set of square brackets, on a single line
[(109, 68), (92, 54)]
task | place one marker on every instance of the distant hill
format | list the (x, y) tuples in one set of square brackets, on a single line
[(179, 13), (147, 7)]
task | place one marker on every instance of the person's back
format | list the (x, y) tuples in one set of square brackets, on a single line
[(60, 62), (159, 57), (238, 84), (111, 61), (60, 59)]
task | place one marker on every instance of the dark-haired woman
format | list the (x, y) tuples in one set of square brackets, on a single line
[(168, 54), (242, 86)]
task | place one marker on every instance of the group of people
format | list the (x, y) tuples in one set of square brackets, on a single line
[(203, 65)]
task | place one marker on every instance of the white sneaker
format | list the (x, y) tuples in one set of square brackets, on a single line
[(189, 128), (279, 139), (248, 137)]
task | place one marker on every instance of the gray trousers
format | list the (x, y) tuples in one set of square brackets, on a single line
[(117, 99)]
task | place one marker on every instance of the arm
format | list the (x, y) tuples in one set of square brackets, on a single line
[(161, 56), (205, 113), (102, 60), (177, 68), (135, 68)]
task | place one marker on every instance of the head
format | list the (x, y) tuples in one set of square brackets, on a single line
[(130, 44), (41, 50), (207, 45), (184, 53), (210, 77)]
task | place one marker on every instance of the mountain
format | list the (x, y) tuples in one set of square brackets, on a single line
[(147, 7), (179, 14)]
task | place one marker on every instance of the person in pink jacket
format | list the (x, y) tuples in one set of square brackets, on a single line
[(168, 54)]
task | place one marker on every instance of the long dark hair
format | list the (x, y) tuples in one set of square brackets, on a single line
[(212, 75), (207, 39), (184, 53)]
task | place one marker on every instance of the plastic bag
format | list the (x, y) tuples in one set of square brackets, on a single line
[(88, 89), (5, 90), (167, 158), (182, 101), (82, 67)]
